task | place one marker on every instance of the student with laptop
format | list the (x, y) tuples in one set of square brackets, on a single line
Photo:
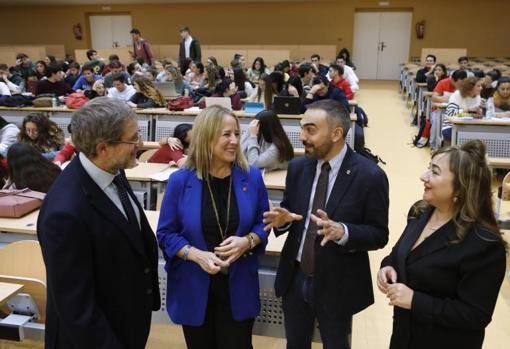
[(226, 88), (322, 89), (266, 144)]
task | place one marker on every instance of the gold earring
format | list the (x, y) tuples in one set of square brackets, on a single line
[(455, 199)]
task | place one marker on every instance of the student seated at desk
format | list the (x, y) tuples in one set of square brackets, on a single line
[(281, 87), (226, 88), (87, 79), (424, 73), (195, 75), (54, 83), (98, 90), (446, 87), (40, 70), (73, 73), (265, 92), (321, 89), (121, 90), (27, 168), (465, 100), (266, 144), (336, 73), (41, 133), (257, 69), (498, 106), (440, 73), (146, 96), (67, 151), (4, 89), (245, 87), (182, 88), (8, 136), (173, 149), (115, 69)]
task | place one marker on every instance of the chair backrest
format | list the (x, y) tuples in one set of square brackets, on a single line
[(22, 263), (146, 155), (23, 259)]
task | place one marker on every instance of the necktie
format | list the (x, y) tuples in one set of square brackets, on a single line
[(319, 202), (124, 199)]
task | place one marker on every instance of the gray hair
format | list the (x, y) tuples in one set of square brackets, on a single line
[(100, 120), (337, 115)]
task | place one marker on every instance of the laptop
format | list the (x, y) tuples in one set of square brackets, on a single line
[(253, 107), (287, 105), (167, 89), (221, 101)]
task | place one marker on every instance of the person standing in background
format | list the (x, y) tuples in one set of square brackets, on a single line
[(189, 47), (141, 48)]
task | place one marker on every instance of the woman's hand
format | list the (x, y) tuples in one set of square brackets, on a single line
[(131, 104), (174, 143), (208, 261), (385, 277), (232, 248), (400, 296), (180, 163), (253, 127)]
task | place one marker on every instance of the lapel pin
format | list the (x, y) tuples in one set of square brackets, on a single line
[(245, 189), (348, 172)]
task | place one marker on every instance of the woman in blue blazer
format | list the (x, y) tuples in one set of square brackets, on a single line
[(210, 231)]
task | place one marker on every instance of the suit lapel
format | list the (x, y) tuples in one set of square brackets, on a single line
[(410, 235), (439, 240), (244, 204), (108, 210), (343, 180)]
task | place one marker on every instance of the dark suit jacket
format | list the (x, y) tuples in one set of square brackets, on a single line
[(359, 199), (195, 53), (455, 286), (102, 276)]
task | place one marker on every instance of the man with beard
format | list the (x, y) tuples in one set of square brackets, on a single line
[(100, 253), (335, 208)]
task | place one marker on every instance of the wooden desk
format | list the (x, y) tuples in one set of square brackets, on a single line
[(147, 145), (23, 225), (275, 179), (144, 170), (499, 162), (495, 133), (7, 290)]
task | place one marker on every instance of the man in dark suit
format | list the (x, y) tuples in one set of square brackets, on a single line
[(100, 252), (335, 208), (189, 48)]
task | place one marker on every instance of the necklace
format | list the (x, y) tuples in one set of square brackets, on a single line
[(224, 270), (223, 233)]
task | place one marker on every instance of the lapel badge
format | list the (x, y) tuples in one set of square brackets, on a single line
[(245, 189), (348, 172)]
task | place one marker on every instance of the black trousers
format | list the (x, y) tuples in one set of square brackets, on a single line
[(219, 330), (300, 316)]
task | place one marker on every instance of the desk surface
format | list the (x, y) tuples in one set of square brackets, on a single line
[(7, 290), (149, 145), (499, 162), (275, 179), (481, 122), (25, 225), (144, 170)]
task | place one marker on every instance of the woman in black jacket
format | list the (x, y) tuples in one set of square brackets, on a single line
[(444, 274)]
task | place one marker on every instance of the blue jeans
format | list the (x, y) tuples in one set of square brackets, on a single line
[(300, 316)]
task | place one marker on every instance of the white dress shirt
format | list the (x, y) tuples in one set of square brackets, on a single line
[(335, 164), (187, 45), (104, 180)]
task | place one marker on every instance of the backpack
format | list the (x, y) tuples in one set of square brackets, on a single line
[(76, 100), (16, 101), (361, 149), (180, 103), (362, 118)]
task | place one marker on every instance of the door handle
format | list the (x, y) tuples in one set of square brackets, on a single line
[(383, 45)]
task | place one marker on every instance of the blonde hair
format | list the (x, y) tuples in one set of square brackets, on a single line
[(206, 132)]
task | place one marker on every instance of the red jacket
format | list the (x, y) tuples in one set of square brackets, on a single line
[(344, 85), (164, 155), (65, 154)]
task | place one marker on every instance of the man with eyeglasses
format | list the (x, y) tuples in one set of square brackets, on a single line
[(100, 252)]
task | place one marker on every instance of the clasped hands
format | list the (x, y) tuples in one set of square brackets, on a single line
[(279, 217), (399, 294), (225, 254)]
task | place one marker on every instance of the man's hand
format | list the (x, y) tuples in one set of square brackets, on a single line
[(279, 217), (332, 231)]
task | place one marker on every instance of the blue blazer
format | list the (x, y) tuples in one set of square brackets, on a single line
[(180, 224)]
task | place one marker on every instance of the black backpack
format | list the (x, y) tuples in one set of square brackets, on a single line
[(360, 148)]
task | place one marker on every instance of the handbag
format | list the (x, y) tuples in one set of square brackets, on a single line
[(180, 103), (16, 203)]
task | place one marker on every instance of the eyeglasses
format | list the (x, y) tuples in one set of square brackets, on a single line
[(139, 139)]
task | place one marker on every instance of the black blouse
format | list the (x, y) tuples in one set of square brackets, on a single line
[(219, 188)]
